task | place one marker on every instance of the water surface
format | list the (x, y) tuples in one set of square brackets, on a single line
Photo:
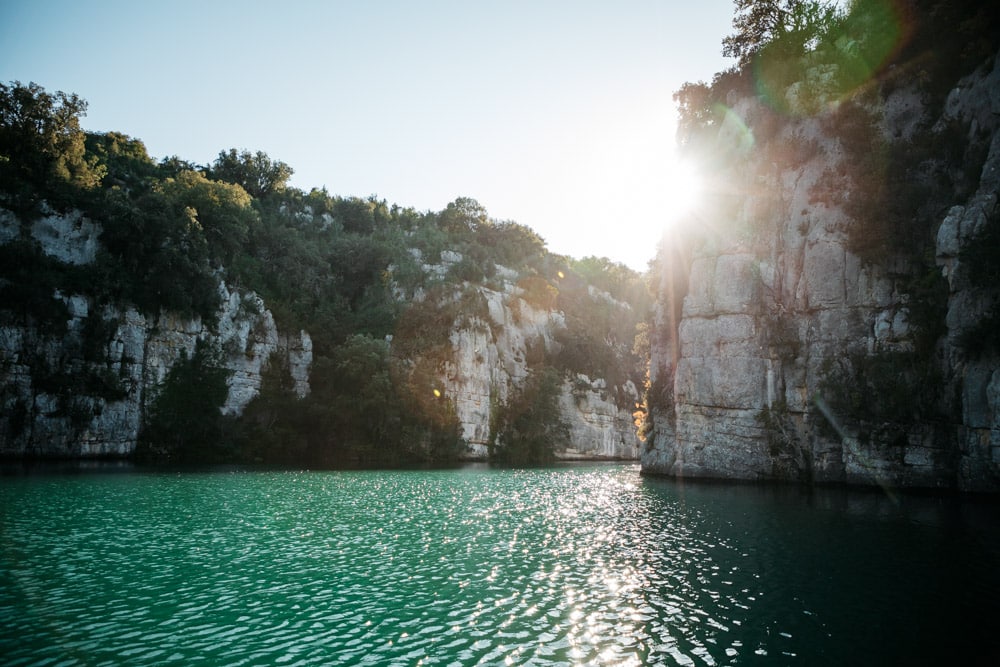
[(570, 565)]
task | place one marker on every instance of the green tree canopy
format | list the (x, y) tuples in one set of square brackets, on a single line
[(462, 215), (185, 422), (41, 142), (223, 211), (125, 159), (792, 24), (256, 173)]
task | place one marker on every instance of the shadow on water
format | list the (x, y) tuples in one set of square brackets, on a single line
[(856, 576)]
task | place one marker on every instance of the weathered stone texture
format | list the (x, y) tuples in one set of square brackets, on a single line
[(490, 360), (138, 355), (775, 299)]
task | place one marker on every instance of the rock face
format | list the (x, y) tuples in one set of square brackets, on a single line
[(493, 353), (770, 323), (598, 427), (82, 391), (82, 388)]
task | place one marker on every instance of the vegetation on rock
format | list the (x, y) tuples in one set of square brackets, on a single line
[(356, 273)]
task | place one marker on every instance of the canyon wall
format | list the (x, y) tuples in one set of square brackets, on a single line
[(80, 388), (787, 348), (81, 385), (495, 346)]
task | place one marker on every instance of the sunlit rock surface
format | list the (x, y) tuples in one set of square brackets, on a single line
[(39, 417), (762, 302), (491, 358), (598, 427)]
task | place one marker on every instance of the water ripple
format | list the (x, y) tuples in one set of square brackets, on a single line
[(541, 567)]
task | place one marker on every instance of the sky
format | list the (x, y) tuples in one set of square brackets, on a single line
[(554, 114)]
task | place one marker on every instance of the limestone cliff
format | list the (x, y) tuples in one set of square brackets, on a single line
[(496, 340), (80, 387), (80, 384), (796, 338)]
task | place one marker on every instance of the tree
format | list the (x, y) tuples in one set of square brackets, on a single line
[(41, 142), (695, 110), (256, 173), (222, 210), (126, 160), (463, 215), (155, 249), (794, 25), (509, 243), (185, 422), (527, 430)]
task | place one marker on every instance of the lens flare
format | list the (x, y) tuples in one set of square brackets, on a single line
[(845, 59)]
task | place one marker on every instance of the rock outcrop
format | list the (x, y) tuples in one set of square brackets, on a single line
[(82, 386), (492, 350), (782, 351), (81, 390)]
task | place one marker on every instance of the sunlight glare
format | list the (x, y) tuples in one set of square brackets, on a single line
[(610, 183), (683, 189)]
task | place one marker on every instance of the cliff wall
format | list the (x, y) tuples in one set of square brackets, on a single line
[(785, 347), (81, 387), (495, 345)]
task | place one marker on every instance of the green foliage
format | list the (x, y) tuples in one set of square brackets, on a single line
[(615, 278), (790, 456), (28, 282), (786, 26), (508, 244), (359, 216), (946, 40), (979, 258), (184, 422), (983, 337), (222, 211), (884, 392), (926, 306), (894, 190), (16, 413), (697, 112), (600, 333), (462, 216), (423, 329), (69, 383), (364, 409), (468, 269), (773, 420), (354, 401), (42, 148), (273, 429), (581, 351), (539, 292), (154, 246), (256, 173), (528, 428), (123, 159), (659, 396), (334, 266)]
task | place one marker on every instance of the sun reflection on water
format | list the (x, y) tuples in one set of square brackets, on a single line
[(582, 566)]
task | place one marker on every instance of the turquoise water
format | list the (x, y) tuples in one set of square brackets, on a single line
[(572, 565)]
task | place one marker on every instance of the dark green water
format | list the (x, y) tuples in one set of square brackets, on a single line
[(575, 565)]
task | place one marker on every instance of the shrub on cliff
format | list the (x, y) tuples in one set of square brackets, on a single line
[(527, 429), (183, 421)]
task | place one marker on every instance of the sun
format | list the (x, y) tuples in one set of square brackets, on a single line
[(682, 189), (611, 183)]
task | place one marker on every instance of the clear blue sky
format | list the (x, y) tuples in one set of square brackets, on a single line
[(557, 115)]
